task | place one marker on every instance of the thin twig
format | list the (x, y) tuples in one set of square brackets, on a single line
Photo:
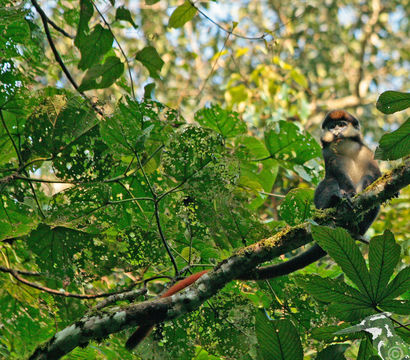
[(160, 197), (21, 163), (113, 202), (57, 56), (21, 272), (154, 195), (213, 66), (164, 241), (228, 31), (11, 138), (15, 274), (59, 29)]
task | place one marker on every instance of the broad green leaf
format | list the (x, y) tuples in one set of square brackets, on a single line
[(191, 150), (284, 141), (151, 2), (149, 91), (341, 247), (384, 255), (396, 306), (181, 15), (350, 312), (64, 127), (334, 352), (18, 31), (102, 76), (16, 219), (297, 206), (227, 123), (11, 14), (123, 13), (86, 12), (366, 349), (392, 101), (327, 333), (55, 248), (396, 144), (255, 147), (149, 57), (277, 339), (127, 130), (399, 285), (330, 290), (94, 46)]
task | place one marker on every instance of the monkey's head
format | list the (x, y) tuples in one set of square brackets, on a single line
[(338, 125)]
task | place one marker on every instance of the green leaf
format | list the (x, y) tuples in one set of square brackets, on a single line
[(341, 247), (16, 219), (226, 123), (237, 94), (297, 206), (55, 248), (392, 101), (334, 352), (384, 255), (123, 13), (285, 142), (350, 312), (277, 339), (149, 57), (396, 306), (129, 128), (18, 31), (149, 91), (86, 12), (94, 46), (102, 76), (327, 333), (181, 15), (151, 2), (255, 147), (330, 290), (299, 78), (396, 144), (399, 285), (191, 150), (366, 349)]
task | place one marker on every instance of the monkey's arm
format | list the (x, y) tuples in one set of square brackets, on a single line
[(327, 193)]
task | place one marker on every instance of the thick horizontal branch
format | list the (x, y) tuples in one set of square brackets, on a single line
[(101, 324)]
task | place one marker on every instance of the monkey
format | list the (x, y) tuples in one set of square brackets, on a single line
[(349, 168)]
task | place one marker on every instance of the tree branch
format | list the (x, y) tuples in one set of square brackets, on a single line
[(16, 275), (243, 262)]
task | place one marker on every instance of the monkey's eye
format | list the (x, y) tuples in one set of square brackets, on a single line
[(338, 124)]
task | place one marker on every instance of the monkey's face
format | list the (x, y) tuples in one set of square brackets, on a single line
[(338, 130)]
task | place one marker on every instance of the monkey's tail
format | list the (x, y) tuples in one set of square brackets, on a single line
[(140, 334), (143, 331), (300, 261)]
